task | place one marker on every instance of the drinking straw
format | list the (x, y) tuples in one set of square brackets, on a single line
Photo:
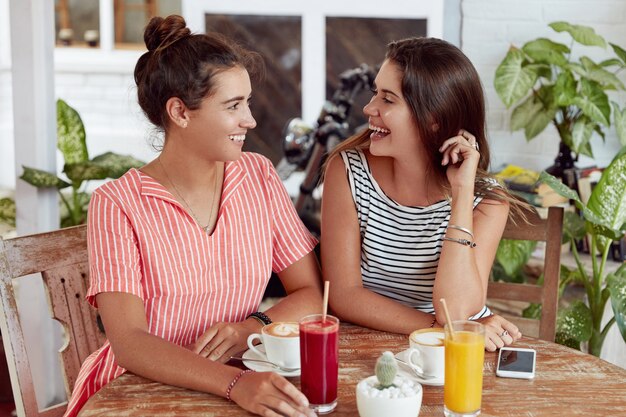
[(447, 313), (325, 307)]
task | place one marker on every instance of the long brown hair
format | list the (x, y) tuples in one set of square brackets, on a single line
[(181, 64), (443, 89)]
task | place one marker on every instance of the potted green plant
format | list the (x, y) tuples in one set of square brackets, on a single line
[(549, 86), (78, 169), (7, 211), (603, 221)]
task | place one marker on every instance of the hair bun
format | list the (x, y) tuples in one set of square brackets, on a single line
[(163, 32)]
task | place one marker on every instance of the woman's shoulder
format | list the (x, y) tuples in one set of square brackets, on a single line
[(127, 183), (254, 161)]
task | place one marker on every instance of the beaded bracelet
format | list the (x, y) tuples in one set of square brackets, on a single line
[(464, 242), (433, 323), (261, 318), (234, 381)]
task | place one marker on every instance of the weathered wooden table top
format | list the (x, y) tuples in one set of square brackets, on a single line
[(567, 383)]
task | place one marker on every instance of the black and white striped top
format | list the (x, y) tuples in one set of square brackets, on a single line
[(400, 245)]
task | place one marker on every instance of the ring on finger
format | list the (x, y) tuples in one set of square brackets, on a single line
[(504, 333)]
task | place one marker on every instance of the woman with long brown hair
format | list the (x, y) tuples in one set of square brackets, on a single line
[(409, 213)]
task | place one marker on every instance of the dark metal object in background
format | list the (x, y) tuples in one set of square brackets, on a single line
[(307, 147)]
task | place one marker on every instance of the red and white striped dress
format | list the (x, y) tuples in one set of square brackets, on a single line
[(143, 242)]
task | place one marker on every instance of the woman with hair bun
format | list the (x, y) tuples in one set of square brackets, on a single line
[(420, 217), (181, 250)]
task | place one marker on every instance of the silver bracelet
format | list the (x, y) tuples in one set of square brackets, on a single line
[(462, 229), (464, 242)]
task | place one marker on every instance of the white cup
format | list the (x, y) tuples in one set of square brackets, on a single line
[(281, 341), (427, 353)]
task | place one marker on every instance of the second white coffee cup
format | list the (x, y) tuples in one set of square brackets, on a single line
[(281, 341), (427, 353)]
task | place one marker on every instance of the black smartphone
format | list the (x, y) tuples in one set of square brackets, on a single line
[(516, 363)]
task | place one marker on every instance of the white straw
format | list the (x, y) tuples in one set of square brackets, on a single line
[(447, 313), (325, 307)]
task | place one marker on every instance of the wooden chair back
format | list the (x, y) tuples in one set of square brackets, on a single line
[(548, 230), (61, 258)]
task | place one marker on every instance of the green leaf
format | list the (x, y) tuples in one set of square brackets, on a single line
[(582, 34), (611, 63), (42, 179), (533, 311), (597, 73), (575, 321), (542, 70), (7, 211), (600, 132), (70, 134), (541, 119), (107, 165), (617, 286), (619, 120), (512, 80), (538, 123), (563, 339), (573, 226), (514, 254), (558, 186), (619, 52), (581, 134), (525, 112), (565, 89), (608, 198), (84, 171), (117, 165), (594, 102), (595, 223), (545, 50)]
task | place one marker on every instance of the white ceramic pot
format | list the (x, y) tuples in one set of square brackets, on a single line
[(384, 407)]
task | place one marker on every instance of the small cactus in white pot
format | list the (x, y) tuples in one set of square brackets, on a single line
[(386, 393)]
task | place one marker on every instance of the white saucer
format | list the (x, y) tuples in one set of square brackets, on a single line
[(262, 367), (407, 371)]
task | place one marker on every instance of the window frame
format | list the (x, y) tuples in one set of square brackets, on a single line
[(313, 16)]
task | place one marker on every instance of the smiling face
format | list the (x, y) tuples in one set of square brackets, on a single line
[(217, 129), (394, 133)]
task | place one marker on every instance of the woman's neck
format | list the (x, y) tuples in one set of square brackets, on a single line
[(410, 182)]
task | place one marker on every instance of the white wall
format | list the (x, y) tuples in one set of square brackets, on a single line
[(491, 26), (106, 98)]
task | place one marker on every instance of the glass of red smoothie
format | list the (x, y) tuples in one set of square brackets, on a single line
[(319, 360)]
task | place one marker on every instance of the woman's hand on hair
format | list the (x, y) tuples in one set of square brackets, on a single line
[(223, 340), (461, 156), (499, 332), (269, 394)]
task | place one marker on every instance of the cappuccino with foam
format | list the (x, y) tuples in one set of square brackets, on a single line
[(281, 342), (282, 329), (427, 351)]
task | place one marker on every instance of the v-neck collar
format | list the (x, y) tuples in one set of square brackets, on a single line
[(234, 175)]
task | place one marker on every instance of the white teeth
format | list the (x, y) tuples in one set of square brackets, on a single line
[(378, 129), (237, 138)]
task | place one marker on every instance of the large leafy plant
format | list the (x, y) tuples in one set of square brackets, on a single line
[(549, 86), (603, 220), (78, 168)]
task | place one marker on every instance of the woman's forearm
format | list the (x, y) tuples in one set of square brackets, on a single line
[(300, 303), (154, 358), (458, 279), (361, 306)]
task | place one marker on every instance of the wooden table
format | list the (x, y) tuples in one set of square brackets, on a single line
[(567, 383)]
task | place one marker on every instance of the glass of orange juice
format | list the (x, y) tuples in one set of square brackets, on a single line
[(465, 354)]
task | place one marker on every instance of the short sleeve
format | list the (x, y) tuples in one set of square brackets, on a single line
[(290, 238), (114, 264)]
